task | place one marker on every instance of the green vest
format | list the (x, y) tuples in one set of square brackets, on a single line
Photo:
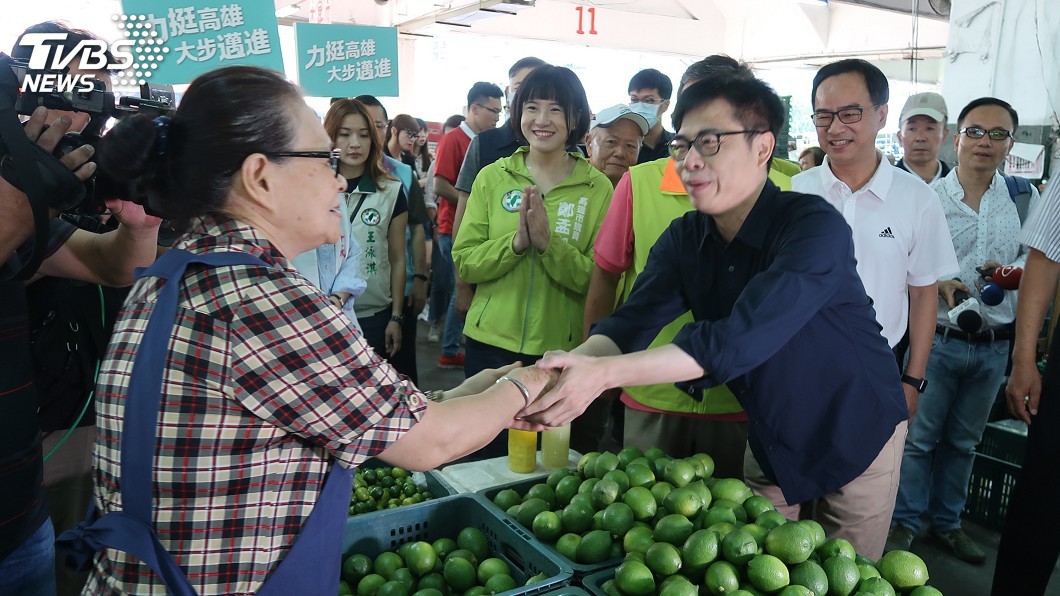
[(658, 199)]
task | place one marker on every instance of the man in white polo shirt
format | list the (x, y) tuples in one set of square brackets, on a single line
[(901, 240)]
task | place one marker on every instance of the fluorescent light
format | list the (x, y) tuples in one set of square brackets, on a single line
[(287, 11)]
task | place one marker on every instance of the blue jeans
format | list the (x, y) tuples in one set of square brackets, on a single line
[(442, 278), (30, 570), (963, 380), (454, 327)]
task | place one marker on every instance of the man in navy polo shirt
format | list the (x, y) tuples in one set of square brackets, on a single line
[(781, 317)]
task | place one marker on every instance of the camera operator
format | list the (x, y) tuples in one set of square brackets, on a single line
[(26, 532)]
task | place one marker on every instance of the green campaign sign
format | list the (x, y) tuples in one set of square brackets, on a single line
[(181, 39), (347, 60)]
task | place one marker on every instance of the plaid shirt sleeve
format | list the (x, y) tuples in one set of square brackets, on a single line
[(298, 363)]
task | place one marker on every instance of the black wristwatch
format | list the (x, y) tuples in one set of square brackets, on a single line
[(397, 318), (919, 384), (419, 276)]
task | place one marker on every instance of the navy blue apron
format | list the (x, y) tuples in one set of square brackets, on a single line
[(311, 566)]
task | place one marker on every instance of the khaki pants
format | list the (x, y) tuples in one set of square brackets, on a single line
[(681, 436), (859, 512)]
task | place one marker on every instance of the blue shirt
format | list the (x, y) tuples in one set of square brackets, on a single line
[(782, 318)]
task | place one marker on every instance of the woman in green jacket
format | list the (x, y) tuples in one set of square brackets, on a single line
[(527, 237)]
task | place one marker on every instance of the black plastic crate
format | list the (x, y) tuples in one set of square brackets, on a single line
[(580, 570), (1005, 440), (375, 533), (990, 490)]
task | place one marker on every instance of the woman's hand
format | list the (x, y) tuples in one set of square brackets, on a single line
[(481, 381), (522, 236), (536, 218), (393, 338)]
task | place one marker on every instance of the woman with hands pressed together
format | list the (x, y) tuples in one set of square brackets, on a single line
[(235, 399), (527, 237)]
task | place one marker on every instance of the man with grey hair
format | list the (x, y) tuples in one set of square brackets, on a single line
[(922, 129), (614, 140)]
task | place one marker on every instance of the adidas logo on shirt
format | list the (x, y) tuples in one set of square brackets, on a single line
[(886, 233)]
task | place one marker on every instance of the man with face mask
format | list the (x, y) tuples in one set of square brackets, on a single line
[(649, 96)]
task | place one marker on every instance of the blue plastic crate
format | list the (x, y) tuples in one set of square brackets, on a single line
[(439, 487), (580, 570), (386, 530)]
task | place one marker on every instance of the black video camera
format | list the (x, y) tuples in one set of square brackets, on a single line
[(64, 192)]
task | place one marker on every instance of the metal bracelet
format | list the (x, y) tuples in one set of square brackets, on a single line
[(519, 384)]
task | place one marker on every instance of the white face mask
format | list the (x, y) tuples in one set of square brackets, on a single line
[(650, 112)]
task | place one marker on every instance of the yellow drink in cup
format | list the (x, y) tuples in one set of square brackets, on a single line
[(555, 447), (522, 451)]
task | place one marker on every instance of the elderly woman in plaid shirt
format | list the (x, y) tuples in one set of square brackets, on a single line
[(229, 425)]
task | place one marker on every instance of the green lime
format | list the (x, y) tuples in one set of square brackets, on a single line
[(810, 575), (731, 489), (679, 473), (663, 558), (344, 588), (370, 584), (903, 570), (566, 489), (587, 485), (627, 455), (640, 475), (428, 592), (462, 553), (683, 501), (635, 579), (386, 563), (699, 551), (620, 478), (432, 581), (490, 567), (393, 588), (738, 547), (876, 586), (641, 502), (836, 547), (420, 558), (866, 571), (791, 543), (767, 573), (595, 547), (756, 505), (722, 529), (506, 499), (605, 463), (843, 576), (527, 512), (678, 585), (500, 583), (576, 518), (547, 526), (659, 490), (475, 541), (770, 519), (721, 578), (542, 491), (604, 493), (717, 515), (653, 453), (587, 463), (798, 590), (816, 531), (925, 591), (356, 567), (459, 574), (673, 528), (617, 518), (443, 546), (707, 462), (555, 477), (637, 539), (567, 545)]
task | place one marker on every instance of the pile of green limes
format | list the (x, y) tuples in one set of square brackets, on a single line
[(375, 489)]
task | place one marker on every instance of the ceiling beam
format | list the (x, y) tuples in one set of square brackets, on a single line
[(411, 25)]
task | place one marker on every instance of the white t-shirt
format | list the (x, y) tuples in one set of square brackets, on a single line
[(900, 235), (992, 234)]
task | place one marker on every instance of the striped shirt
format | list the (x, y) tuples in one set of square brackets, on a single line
[(1042, 230), (267, 384)]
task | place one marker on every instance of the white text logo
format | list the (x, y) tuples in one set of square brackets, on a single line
[(47, 55)]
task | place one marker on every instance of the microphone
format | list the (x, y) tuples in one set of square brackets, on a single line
[(966, 314), (1007, 277), (992, 294)]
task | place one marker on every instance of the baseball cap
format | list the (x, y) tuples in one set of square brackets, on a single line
[(927, 104), (608, 116)]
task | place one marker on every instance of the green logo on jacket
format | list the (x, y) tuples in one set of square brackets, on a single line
[(512, 200)]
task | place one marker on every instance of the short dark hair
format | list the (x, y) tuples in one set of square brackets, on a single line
[(712, 66), (754, 103), (990, 101), (73, 37), (816, 152), (483, 90), (649, 78), (453, 121), (371, 101), (225, 115), (558, 84), (528, 62), (875, 80)]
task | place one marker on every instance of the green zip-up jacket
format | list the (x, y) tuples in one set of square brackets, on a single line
[(533, 302)]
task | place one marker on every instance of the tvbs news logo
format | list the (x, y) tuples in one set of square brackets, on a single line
[(48, 56)]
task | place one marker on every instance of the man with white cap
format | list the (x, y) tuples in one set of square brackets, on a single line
[(922, 130), (614, 140)]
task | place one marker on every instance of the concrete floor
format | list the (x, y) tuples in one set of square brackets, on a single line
[(950, 575)]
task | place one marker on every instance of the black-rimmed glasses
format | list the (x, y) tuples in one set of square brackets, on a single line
[(995, 134), (332, 156), (413, 136), (494, 111), (706, 144), (852, 115)]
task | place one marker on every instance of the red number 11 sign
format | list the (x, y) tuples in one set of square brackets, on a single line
[(581, 18)]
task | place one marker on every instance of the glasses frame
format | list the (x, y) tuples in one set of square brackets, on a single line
[(697, 143), (833, 115), (332, 156), (413, 136), (986, 133), (494, 111)]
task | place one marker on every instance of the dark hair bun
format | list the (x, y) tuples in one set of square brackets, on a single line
[(128, 151)]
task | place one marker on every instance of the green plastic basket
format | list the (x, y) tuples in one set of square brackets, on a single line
[(580, 570), (438, 486), (372, 534), (593, 583), (990, 490)]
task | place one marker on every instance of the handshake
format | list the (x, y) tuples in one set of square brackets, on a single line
[(561, 386)]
